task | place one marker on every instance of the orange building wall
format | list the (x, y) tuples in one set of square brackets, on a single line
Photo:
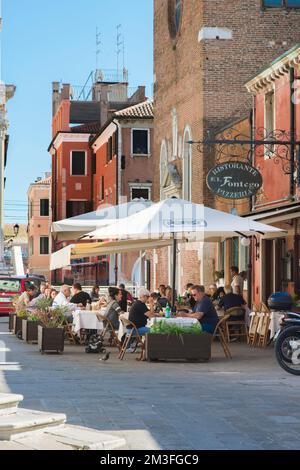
[(37, 227), (65, 183)]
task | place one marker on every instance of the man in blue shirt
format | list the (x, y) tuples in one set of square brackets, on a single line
[(203, 310)]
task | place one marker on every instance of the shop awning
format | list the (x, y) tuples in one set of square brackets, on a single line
[(276, 215), (62, 258)]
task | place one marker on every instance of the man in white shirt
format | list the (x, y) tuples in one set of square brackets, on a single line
[(237, 283), (63, 300)]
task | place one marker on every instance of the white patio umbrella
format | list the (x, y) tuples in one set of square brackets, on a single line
[(182, 220), (76, 227), (177, 219)]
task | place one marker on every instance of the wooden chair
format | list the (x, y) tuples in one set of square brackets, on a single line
[(253, 334), (71, 336), (240, 326), (109, 328), (131, 334), (264, 331), (256, 308), (220, 332), (264, 308)]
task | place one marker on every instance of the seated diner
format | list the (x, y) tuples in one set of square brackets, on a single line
[(204, 310)]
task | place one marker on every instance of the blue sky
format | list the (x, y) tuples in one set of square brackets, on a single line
[(54, 40)]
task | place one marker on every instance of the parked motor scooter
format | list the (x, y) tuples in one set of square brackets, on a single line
[(287, 343)]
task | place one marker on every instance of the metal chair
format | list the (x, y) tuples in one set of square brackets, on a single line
[(109, 328), (220, 332), (129, 335), (240, 326)]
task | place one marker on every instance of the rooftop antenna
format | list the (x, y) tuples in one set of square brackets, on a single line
[(120, 44), (98, 46)]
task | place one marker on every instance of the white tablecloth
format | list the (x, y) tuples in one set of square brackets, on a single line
[(87, 320), (274, 326), (276, 318), (183, 322)]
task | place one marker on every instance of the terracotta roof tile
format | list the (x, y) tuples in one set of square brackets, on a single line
[(90, 128), (142, 110), (43, 181)]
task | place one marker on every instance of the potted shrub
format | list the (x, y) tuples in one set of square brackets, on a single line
[(51, 330), (171, 342)]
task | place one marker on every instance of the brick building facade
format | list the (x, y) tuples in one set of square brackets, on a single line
[(75, 182), (123, 171), (204, 53), (276, 91)]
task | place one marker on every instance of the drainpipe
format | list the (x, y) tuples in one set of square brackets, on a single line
[(252, 133), (292, 131), (118, 185)]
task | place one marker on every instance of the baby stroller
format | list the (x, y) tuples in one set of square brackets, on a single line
[(94, 344)]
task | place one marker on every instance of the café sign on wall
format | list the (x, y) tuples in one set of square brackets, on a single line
[(234, 180)]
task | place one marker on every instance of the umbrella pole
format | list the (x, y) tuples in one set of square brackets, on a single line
[(174, 270)]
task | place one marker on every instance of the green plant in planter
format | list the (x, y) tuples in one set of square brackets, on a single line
[(43, 304), (33, 317), (54, 318), (22, 314), (163, 327)]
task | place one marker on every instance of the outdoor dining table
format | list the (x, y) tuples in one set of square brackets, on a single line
[(180, 321), (86, 319), (183, 322)]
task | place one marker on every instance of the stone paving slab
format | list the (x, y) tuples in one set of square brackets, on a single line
[(243, 403)]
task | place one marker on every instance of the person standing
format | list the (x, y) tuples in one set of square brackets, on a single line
[(237, 283)]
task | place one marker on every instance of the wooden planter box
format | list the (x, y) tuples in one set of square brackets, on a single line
[(50, 339), (18, 326), (12, 321), (177, 347), (30, 331)]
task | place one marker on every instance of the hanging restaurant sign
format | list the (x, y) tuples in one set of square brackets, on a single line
[(234, 180)]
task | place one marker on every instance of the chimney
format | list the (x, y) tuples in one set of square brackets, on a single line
[(66, 91), (139, 96), (55, 97), (104, 105)]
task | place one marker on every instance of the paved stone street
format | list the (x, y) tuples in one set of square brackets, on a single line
[(246, 403)]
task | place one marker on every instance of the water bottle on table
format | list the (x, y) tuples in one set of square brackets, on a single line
[(168, 311)]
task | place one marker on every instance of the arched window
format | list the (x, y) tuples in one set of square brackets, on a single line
[(174, 14), (187, 165), (163, 164)]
